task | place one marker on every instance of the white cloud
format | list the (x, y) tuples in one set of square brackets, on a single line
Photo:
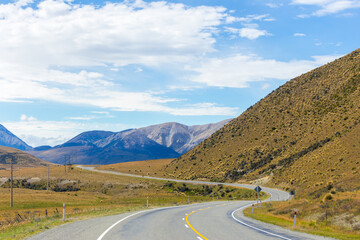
[(274, 5), (240, 70), (251, 18), (36, 133), (328, 6), (252, 33), (247, 32), (204, 109), (250, 29), (299, 35), (269, 19), (83, 118), (24, 117), (44, 42), (63, 33)]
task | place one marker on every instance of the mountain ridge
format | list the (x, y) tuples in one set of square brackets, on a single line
[(8, 139), (166, 140)]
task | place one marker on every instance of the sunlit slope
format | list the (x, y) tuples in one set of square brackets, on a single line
[(19, 158), (305, 133)]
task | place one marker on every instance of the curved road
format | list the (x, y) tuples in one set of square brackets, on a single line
[(212, 220)]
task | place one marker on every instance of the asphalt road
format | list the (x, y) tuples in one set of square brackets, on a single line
[(212, 220)]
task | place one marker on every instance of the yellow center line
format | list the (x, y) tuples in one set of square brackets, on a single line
[(187, 220), (205, 208)]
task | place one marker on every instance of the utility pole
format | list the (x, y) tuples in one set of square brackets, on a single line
[(69, 162), (65, 162), (11, 183), (47, 184)]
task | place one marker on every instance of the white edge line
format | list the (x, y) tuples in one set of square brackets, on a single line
[(258, 229), (123, 219), (107, 230)]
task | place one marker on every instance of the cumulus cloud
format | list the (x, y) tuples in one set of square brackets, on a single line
[(45, 43), (328, 6), (247, 32), (24, 117), (250, 30), (240, 70), (252, 33), (64, 33)]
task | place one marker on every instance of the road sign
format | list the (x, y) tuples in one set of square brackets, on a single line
[(258, 189)]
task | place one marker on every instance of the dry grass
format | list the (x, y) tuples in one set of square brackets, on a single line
[(148, 168), (336, 217), (19, 158)]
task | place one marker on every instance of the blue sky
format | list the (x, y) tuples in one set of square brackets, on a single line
[(73, 66)]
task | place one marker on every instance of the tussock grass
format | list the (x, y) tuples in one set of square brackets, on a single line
[(314, 217)]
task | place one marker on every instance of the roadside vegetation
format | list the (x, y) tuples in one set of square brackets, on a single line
[(335, 215), (90, 194)]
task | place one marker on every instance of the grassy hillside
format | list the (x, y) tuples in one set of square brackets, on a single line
[(19, 158), (303, 133), (148, 167)]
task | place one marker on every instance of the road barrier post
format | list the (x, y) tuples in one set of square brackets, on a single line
[(63, 211), (252, 208), (147, 202), (295, 213)]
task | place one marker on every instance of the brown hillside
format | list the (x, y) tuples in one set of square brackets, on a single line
[(19, 158), (305, 134)]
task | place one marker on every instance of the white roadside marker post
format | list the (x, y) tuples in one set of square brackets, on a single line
[(147, 202), (252, 209), (188, 200), (295, 212), (63, 211)]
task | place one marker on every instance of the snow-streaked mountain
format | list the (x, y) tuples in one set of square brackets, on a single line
[(8, 139), (179, 137), (167, 140)]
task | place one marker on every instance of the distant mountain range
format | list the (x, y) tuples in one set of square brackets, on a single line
[(8, 139), (167, 140)]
